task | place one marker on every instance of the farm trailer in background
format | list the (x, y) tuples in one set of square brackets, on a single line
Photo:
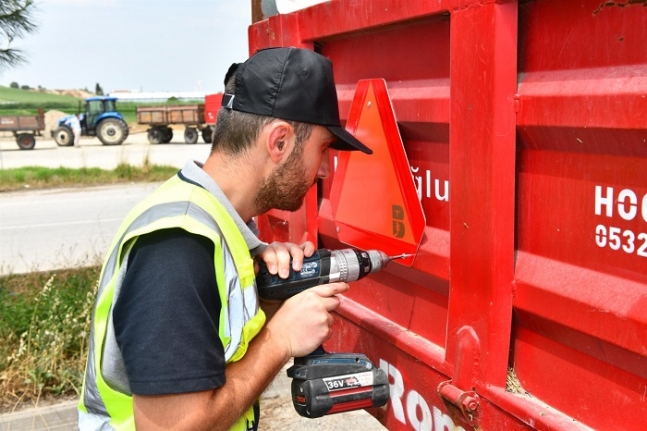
[(25, 128), (196, 118)]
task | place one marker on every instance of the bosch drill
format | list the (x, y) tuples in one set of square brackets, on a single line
[(326, 383)]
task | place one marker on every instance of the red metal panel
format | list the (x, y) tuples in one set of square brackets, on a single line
[(582, 177), (531, 268), (482, 156), (414, 403), (418, 86), (212, 104), (405, 299)]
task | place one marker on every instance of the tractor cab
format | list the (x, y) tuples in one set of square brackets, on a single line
[(96, 109), (100, 118)]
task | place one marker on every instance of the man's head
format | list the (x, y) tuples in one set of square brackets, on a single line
[(282, 102), (291, 84)]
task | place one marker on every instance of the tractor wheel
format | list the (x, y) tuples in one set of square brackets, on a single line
[(112, 131), (190, 135), (64, 136), (156, 135), (168, 135), (26, 141), (207, 134)]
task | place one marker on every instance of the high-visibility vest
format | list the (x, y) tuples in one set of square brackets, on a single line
[(106, 402)]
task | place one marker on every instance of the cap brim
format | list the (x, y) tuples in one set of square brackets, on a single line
[(347, 142)]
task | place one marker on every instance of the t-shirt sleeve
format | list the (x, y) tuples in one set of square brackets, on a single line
[(166, 317)]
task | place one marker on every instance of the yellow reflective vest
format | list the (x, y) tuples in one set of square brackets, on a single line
[(106, 401)]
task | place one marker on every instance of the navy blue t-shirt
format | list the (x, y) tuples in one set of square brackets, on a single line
[(166, 317)]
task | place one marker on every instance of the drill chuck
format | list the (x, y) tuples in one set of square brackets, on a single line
[(349, 265)]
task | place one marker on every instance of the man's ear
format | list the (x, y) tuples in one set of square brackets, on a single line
[(278, 140)]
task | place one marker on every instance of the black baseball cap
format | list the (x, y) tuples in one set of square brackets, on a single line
[(294, 84)]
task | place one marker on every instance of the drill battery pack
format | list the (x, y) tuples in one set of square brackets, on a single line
[(336, 382)]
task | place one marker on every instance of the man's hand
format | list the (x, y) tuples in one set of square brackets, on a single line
[(277, 257), (303, 322), (278, 254)]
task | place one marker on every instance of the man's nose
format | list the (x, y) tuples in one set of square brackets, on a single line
[(324, 167)]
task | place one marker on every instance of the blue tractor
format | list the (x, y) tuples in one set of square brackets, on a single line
[(100, 119)]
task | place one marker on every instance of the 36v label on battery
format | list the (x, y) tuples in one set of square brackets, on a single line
[(349, 381)]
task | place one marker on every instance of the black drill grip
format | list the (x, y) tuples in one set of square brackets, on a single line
[(314, 271)]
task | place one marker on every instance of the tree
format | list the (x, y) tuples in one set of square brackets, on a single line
[(14, 85), (98, 90), (15, 22)]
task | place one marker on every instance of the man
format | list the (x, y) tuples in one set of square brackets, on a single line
[(178, 339), (75, 124)]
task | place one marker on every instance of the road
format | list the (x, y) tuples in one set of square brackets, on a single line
[(51, 229), (60, 228), (135, 151)]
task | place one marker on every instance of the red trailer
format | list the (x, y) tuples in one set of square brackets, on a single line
[(212, 104), (524, 126)]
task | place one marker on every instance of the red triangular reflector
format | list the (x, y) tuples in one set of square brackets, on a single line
[(373, 197)]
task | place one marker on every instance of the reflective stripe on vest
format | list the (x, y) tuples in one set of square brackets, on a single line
[(106, 401)]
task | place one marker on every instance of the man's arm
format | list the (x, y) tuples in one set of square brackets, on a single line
[(298, 328)]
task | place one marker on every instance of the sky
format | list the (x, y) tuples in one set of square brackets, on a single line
[(137, 45)]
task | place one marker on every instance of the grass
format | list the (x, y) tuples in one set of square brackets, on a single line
[(44, 327), (34, 177)]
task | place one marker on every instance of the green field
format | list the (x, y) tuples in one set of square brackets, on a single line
[(31, 96), (15, 101), (37, 177)]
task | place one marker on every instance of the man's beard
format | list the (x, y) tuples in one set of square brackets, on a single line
[(285, 188)]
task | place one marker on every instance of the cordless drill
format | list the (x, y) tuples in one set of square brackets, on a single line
[(323, 267), (326, 383)]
